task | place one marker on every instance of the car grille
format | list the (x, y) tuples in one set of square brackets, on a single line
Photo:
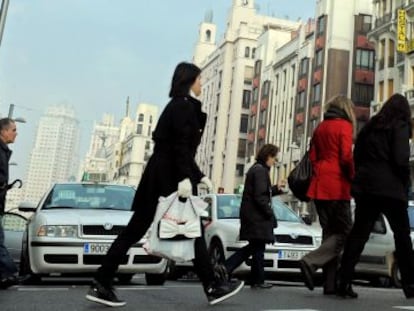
[(61, 258), (146, 259), (100, 230), (288, 264), (97, 259), (288, 239)]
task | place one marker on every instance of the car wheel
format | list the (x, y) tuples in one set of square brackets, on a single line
[(25, 270), (125, 278), (396, 275), (155, 279), (216, 253)]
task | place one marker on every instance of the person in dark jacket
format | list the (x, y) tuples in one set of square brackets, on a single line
[(257, 219), (381, 184), (8, 135), (172, 165), (330, 189)]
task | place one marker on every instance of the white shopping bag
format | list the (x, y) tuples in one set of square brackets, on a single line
[(172, 208)]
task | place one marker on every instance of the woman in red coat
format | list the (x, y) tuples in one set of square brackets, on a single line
[(333, 170)]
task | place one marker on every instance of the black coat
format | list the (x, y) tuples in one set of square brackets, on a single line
[(177, 136), (382, 162), (5, 154), (257, 219)]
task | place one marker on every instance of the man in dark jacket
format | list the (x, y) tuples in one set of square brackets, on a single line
[(8, 134)]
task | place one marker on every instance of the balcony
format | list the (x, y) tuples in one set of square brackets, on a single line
[(264, 104), (364, 76), (253, 110), (363, 43), (303, 83), (383, 20)]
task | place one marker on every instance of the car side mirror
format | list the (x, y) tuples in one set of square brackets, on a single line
[(27, 207)]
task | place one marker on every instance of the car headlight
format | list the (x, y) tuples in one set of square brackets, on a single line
[(318, 241), (58, 231)]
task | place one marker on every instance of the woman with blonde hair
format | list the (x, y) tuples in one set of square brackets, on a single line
[(330, 189)]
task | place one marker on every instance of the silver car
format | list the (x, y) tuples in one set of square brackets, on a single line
[(73, 227), (293, 237)]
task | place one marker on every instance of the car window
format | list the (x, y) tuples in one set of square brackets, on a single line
[(411, 216), (13, 222), (228, 206), (283, 212), (90, 196)]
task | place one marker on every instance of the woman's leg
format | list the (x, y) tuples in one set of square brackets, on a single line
[(202, 262), (238, 258), (257, 268)]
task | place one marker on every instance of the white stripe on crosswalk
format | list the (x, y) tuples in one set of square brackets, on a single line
[(404, 307), (291, 310)]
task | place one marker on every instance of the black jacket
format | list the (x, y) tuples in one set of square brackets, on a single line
[(257, 219), (177, 136), (382, 162), (5, 154)]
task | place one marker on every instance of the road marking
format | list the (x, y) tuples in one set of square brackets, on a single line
[(37, 289), (404, 307), (141, 288), (291, 310)]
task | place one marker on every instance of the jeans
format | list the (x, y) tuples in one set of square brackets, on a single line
[(256, 249), (336, 222), (7, 266), (368, 209)]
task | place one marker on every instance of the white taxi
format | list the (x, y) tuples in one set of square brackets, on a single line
[(74, 225)]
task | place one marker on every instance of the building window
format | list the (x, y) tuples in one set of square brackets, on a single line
[(141, 117), (147, 145), (381, 91), (266, 87), (244, 123), (293, 74), (365, 59), (248, 74), (262, 118), (246, 99), (277, 84), (363, 23), (391, 51), (241, 150), (239, 170), (284, 79), (253, 123), (321, 25), (149, 131), (150, 120), (220, 77), (253, 52), (390, 87), (257, 67), (255, 95), (208, 35), (247, 52), (319, 59), (304, 65), (139, 129), (317, 93), (363, 94)]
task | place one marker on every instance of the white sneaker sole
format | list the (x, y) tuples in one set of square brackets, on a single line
[(105, 302), (234, 292)]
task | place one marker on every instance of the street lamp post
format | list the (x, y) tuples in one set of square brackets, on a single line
[(10, 115), (3, 14)]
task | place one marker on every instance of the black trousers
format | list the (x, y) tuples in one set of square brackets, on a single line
[(256, 249), (135, 230), (336, 222), (368, 209)]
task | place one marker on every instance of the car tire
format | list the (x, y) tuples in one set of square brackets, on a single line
[(395, 275), (25, 271), (216, 252), (155, 279), (125, 279)]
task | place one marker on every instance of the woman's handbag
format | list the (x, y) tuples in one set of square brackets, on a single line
[(300, 177), (174, 229)]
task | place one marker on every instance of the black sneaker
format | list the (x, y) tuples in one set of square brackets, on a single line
[(222, 291), (106, 296), (9, 281), (263, 285), (307, 274)]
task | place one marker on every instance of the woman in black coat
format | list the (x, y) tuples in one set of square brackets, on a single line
[(381, 184), (257, 219), (172, 165)]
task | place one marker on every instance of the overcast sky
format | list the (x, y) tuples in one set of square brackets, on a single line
[(92, 54)]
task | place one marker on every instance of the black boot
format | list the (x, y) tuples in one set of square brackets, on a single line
[(220, 291), (345, 290)]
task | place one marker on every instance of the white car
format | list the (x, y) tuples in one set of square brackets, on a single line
[(74, 225), (293, 237)]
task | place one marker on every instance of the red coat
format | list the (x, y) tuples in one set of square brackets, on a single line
[(332, 161)]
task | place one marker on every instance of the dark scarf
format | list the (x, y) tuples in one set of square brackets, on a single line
[(335, 113)]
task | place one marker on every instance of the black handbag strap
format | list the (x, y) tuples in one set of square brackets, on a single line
[(177, 198)]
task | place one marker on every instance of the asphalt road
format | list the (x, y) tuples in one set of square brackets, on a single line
[(63, 295)]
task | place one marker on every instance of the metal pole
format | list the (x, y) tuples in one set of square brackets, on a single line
[(11, 109), (3, 14)]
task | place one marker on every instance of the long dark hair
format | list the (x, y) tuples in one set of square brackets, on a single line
[(184, 76), (394, 110)]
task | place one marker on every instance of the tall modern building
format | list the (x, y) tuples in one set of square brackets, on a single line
[(227, 78), (54, 157)]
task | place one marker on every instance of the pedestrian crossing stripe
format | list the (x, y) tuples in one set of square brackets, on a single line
[(404, 307), (292, 310)]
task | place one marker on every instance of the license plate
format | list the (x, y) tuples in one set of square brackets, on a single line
[(291, 255), (96, 248)]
